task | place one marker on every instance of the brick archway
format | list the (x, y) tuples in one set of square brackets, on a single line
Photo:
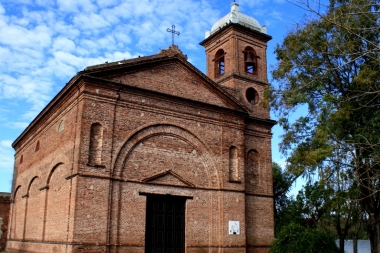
[(167, 130)]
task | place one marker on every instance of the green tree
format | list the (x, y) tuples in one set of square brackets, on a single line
[(281, 186), (344, 209), (330, 66), (295, 238), (325, 204)]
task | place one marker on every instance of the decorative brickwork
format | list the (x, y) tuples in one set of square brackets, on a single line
[(151, 132), (234, 162)]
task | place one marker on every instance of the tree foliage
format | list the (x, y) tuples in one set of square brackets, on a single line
[(295, 238), (281, 185), (330, 66)]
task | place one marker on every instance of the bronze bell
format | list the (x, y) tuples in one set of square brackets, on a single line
[(249, 57)]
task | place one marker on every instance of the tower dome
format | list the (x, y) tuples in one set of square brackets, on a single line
[(236, 17)]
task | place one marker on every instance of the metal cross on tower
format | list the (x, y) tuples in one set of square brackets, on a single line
[(173, 31)]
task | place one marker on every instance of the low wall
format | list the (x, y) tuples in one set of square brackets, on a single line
[(5, 202)]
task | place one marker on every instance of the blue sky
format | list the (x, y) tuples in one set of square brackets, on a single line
[(44, 43)]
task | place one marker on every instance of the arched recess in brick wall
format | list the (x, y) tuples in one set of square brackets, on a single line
[(143, 160), (96, 144), (178, 141), (57, 205), (252, 172), (34, 210), (233, 164), (18, 215), (37, 146)]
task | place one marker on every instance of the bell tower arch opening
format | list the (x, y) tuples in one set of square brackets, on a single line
[(219, 63), (250, 61)]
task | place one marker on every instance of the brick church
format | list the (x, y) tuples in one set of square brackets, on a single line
[(151, 155)]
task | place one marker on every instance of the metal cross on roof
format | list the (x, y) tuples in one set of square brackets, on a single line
[(173, 31)]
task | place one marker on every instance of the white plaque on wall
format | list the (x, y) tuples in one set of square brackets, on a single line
[(234, 227)]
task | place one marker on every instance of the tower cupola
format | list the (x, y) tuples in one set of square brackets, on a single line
[(235, 16)]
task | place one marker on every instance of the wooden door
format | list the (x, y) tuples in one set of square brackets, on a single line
[(165, 225)]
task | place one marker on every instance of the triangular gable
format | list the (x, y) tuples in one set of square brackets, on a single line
[(168, 178), (172, 75)]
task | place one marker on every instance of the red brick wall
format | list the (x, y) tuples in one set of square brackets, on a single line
[(4, 218), (40, 211), (34, 218)]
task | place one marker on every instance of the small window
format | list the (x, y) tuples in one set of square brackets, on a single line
[(37, 146), (250, 60), (252, 96), (21, 159), (219, 63)]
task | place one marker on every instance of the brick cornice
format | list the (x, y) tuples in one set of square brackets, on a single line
[(227, 28), (159, 95), (243, 78)]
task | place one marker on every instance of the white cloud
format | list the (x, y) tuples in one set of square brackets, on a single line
[(106, 3), (21, 22), (15, 61), (2, 10), (18, 125), (55, 68), (34, 18), (76, 6), (145, 7), (18, 36), (90, 21), (6, 156), (118, 56), (6, 143), (109, 15), (107, 42), (44, 3), (69, 59), (32, 91), (66, 30), (121, 35), (87, 46), (64, 44), (23, 87)]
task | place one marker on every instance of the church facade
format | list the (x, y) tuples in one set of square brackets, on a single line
[(151, 155)]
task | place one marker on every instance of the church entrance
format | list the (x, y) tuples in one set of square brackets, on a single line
[(165, 224)]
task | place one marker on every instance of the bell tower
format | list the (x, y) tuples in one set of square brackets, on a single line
[(236, 58)]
